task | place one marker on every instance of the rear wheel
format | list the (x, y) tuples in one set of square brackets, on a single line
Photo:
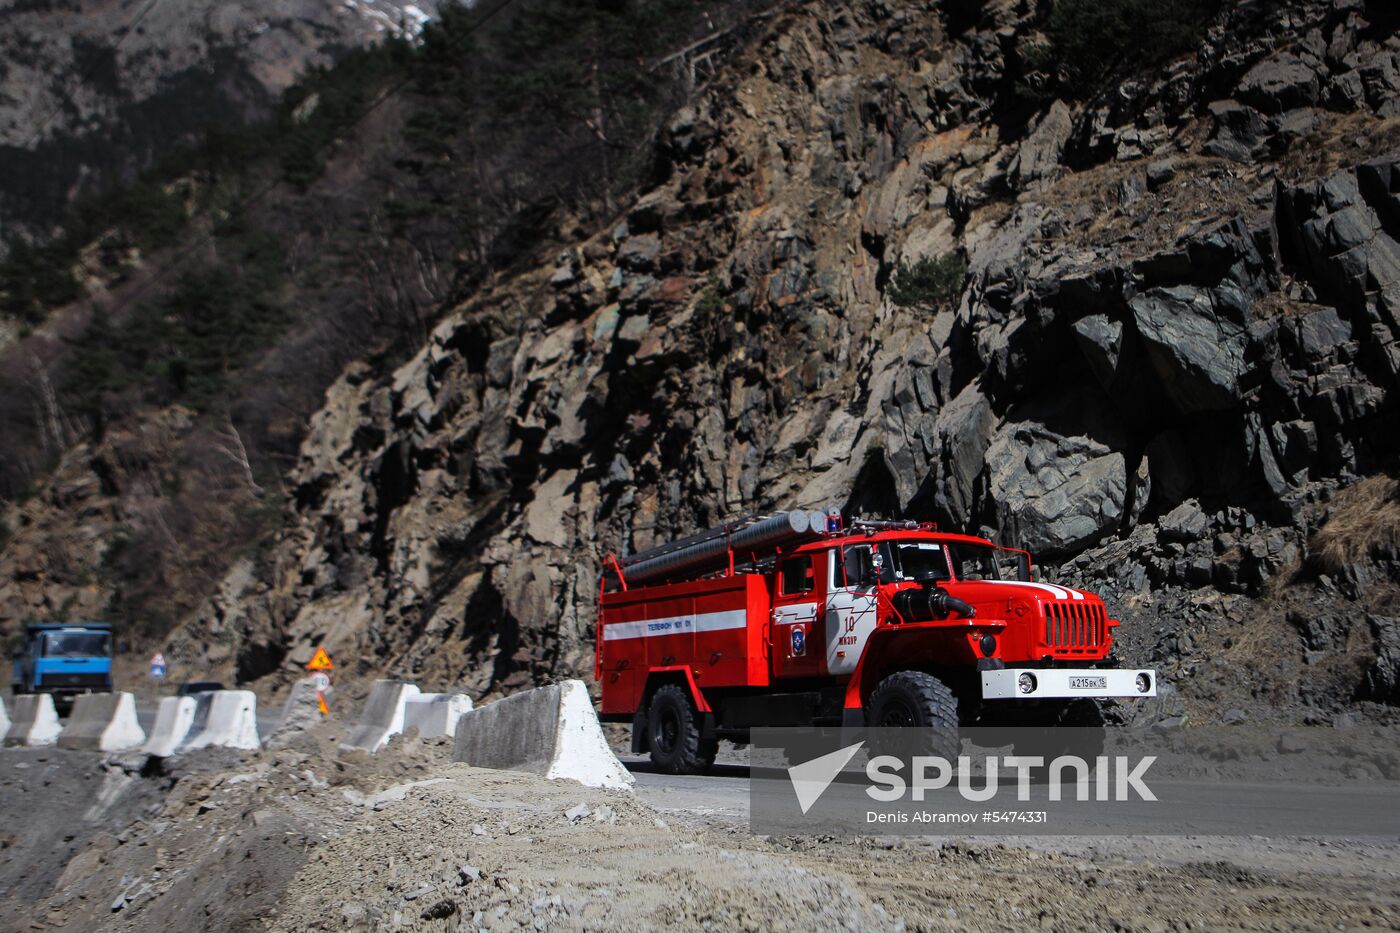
[(673, 733), (917, 702)]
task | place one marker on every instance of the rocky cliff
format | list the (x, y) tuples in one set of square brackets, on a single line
[(95, 91), (1169, 367)]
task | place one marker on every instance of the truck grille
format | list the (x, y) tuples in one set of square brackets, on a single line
[(73, 680), (1077, 625)]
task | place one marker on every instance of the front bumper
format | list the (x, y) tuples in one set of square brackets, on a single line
[(1064, 682)]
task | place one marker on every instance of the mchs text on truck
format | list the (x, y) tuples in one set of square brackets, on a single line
[(796, 619)]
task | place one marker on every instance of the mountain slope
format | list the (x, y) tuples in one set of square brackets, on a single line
[(1175, 341), (94, 92), (895, 258)]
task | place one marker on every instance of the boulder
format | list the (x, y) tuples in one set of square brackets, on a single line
[(639, 253), (963, 430), (1240, 130), (1382, 682), (1195, 344), (1057, 476), (1280, 83), (1039, 156), (1184, 523), (1100, 338), (1160, 173)]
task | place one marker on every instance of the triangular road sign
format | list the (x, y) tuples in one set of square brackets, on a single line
[(320, 661)]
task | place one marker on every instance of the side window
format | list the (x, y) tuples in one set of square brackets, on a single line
[(797, 576), (856, 566)]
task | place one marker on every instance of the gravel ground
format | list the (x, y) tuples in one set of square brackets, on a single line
[(301, 839)]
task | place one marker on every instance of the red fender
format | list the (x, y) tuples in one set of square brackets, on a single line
[(696, 696)]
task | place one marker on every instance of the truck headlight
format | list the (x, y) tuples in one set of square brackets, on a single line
[(1026, 682), (1143, 682)]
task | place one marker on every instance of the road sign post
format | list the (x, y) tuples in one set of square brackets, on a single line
[(320, 666)]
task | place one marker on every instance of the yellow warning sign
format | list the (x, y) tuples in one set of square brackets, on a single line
[(320, 661), (321, 699)]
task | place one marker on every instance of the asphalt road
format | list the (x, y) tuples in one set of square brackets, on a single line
[(722, 794), (1183, 807)]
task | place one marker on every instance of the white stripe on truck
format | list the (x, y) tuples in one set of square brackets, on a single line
[(1059, 592), (676, 625)]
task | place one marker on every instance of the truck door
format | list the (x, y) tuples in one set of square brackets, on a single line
[(850, 608), (797, 616)]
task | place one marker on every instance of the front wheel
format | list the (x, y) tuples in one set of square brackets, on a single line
[(920, 703), (673, 734)]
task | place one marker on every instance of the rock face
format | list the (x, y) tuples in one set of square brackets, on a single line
[(102, 89), (1057, 475), (1161, 366), (1195, 344)]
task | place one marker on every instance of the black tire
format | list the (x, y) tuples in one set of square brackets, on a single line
[(673, 734), (921, 703)]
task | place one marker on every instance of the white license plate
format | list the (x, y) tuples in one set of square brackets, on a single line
[(1088, 683)]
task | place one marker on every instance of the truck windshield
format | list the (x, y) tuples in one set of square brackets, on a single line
[(75, 645), (918, 560), (974, 562)]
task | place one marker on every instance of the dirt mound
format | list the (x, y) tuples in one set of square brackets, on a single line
[(493, 848)]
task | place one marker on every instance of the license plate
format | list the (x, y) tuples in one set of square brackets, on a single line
[(1088, 683)]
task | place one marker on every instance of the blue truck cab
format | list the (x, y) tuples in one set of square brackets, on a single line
[(64, 660)]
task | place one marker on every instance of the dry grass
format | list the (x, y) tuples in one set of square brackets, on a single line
[(1362, 519)]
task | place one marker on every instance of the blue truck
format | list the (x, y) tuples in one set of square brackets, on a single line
[(64, 660)]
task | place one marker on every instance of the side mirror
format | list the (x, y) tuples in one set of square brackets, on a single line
[(1023, 568)]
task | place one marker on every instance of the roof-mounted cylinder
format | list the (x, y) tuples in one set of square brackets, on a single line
[(709, 551)]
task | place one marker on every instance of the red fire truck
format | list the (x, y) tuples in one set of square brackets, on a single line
[(796, 619)]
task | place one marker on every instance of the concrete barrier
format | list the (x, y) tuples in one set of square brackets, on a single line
[(435, 714), (300, 714), (173, 721), (102, 722), (4, 720), (551, 731), (35, 721), (229, 720), (382, 716)]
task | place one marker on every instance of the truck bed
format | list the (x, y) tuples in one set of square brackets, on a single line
[(717, 630)]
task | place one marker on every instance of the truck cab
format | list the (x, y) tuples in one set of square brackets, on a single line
[(798, 620), (64, 660), (890, 595)]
